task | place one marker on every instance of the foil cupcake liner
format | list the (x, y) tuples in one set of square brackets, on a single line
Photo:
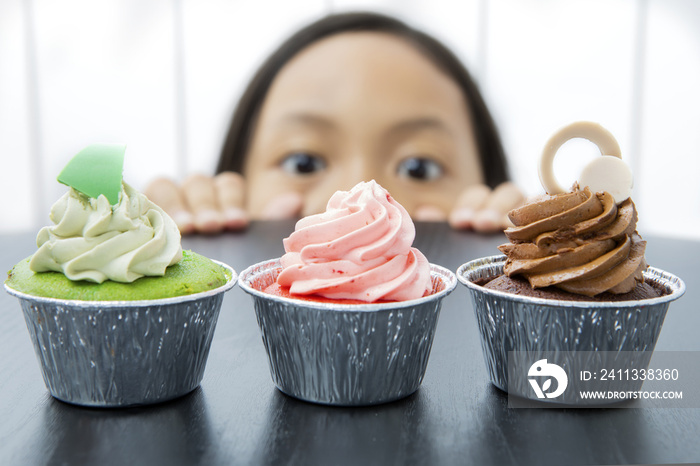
[(345, 354), (522, 327), (123, 353)]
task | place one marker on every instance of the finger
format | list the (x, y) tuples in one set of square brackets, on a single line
[(200, 195), (166, 194), (488, 221), (494, 215), (468, 203), (230, 189), (286, 205), (429, 213)]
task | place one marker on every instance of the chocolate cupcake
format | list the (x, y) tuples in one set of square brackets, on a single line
[(573, 280)]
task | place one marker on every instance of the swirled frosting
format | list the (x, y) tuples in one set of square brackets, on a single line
[(581, 242), (95, 241), (359, 248)]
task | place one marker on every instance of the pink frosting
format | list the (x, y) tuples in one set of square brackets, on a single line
[(359, 248)]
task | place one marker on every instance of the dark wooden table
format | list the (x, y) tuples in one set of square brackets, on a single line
[(237, 416)]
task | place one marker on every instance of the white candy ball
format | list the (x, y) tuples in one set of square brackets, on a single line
[(608, 173)]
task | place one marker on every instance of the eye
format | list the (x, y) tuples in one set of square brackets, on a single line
[(420, 168), (302, 163)]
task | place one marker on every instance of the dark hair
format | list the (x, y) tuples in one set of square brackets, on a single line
[(491, 154)]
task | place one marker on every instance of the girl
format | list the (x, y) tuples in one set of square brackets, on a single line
[(353, 97)]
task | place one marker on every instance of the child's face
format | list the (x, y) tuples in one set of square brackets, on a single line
[(361, 106)]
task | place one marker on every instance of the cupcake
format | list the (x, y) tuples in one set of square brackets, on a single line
[(348, 313), (573, 283), (118, 313)]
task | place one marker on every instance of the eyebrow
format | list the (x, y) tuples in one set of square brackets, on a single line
[(419, 123), (305, 118), (406, 126)]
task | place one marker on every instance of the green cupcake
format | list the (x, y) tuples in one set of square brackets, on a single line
[(119, 315)]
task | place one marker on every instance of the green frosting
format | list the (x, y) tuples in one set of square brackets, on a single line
[(92, 240), (96, 170), (193, 274)]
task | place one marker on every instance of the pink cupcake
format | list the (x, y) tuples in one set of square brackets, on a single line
[(348, 314)]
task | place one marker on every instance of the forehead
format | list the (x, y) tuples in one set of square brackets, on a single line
[(374, 69)]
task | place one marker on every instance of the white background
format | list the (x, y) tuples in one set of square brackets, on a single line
[(163, 77)]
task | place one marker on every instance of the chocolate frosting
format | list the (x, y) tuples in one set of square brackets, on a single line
[(581, 242)]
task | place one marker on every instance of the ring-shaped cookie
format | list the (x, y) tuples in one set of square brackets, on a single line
[(601, 137)]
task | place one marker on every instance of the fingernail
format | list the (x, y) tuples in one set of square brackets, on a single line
[(184, 221), (488, 220), (429, 214), (235, 218), (208, 221), (462, 218)]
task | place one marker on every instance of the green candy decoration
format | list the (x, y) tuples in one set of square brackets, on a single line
[(96, 170)]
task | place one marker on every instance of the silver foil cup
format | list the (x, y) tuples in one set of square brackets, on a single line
[(597, 330), (123, 353), (345, 354)]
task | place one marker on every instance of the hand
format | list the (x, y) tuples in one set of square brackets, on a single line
[(484, 210), (205, 204), (202, 204)]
